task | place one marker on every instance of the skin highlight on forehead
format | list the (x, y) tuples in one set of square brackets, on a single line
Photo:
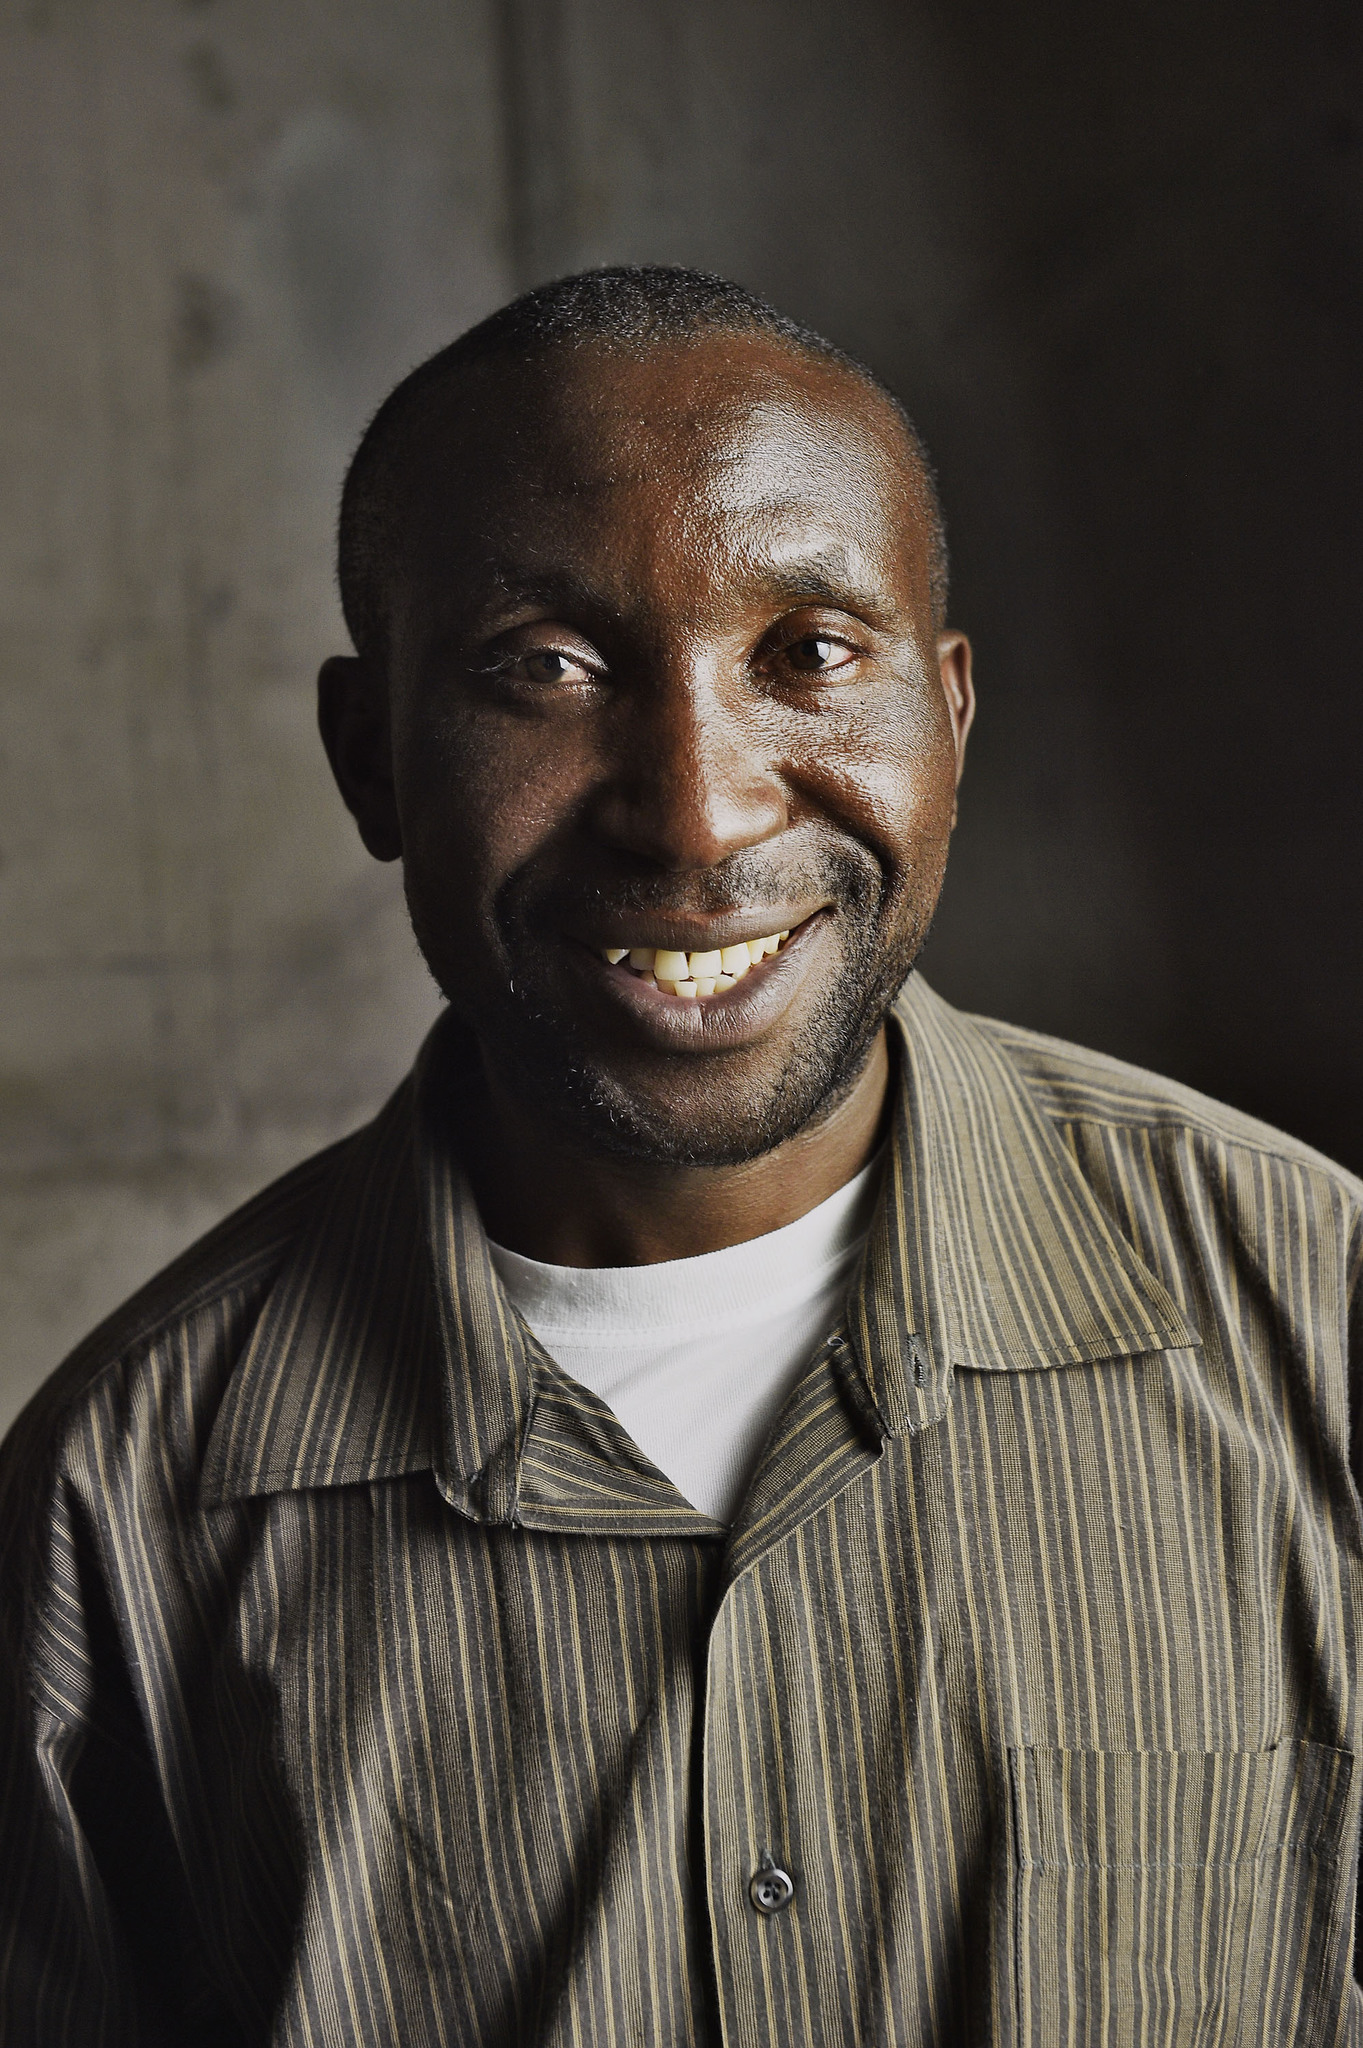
[(752, 435)]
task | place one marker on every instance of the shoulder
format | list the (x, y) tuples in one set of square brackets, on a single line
[(1140, 1139), (152, 1368), (1147, 1145), (1073, 1085)]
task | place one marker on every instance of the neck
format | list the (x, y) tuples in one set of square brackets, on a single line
[(546, 1194)]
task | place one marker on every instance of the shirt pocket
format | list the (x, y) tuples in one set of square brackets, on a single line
[(1181, 1899)]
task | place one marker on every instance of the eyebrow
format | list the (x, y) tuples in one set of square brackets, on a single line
[(827, 579), (548, 587)]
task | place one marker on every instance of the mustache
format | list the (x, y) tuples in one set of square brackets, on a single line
[(748, 880)]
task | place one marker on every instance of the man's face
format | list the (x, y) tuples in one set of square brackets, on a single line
[(662, 675)]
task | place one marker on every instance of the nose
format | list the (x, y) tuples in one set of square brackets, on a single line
[(693, 778)]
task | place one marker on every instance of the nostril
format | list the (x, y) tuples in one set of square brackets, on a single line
[(690, 824)]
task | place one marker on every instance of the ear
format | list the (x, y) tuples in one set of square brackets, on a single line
[(958, 684), (352, 711)]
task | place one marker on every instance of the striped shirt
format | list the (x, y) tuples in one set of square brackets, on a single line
[(362, 1683)]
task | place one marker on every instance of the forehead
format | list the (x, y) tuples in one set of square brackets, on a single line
[(708, 458)]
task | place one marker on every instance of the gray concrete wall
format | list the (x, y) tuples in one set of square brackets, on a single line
[(1113, 257), (227, 230)]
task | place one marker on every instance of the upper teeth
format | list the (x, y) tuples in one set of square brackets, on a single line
[(695, 974)]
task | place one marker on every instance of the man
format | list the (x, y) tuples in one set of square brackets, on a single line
[(745, 1506)]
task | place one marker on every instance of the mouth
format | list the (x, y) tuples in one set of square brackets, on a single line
[(695, 976)]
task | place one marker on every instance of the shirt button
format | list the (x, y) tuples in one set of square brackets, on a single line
[(771, 1888)]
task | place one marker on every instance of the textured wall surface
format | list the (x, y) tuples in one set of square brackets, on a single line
[(226, 231), (1111, 257)]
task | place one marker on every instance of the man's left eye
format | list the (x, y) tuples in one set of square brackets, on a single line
[(817, 656)]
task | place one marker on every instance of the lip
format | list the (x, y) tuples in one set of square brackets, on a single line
[(732, 1016), (705, 934)]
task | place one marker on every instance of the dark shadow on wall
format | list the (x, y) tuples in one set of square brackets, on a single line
[(1114, 260)]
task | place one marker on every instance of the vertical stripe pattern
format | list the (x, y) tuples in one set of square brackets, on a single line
[(362, 1682)]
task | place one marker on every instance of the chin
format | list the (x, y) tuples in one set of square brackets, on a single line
[(686, 1112), (709, 1123)]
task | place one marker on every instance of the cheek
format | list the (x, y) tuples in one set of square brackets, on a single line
[(477, 798), (887, 771)]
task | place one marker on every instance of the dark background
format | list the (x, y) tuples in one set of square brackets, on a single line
[(1111, 257)]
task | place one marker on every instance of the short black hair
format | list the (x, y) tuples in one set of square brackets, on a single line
[(632, 307)]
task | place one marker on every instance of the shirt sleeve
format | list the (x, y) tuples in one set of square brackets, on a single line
[(86, 1900)]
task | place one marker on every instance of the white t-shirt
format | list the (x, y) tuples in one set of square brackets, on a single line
[(696, 1356)]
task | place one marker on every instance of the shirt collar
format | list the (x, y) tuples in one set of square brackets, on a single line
[(387, 1345), (989, 1250)]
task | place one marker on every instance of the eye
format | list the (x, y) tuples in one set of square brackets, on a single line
[(538, 674), (546, 665), (818, 656)]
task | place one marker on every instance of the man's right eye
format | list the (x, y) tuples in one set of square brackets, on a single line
[(546, 666)]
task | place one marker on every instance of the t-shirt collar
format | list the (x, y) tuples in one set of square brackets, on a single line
[(387, 1344)]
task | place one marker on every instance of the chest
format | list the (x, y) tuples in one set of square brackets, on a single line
[(1069, 1675)]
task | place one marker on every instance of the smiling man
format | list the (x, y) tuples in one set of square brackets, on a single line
[(746, 1506)]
